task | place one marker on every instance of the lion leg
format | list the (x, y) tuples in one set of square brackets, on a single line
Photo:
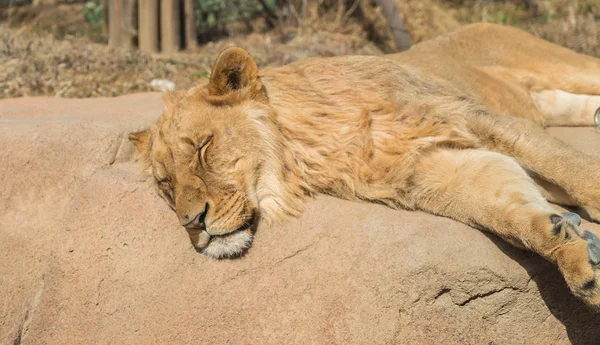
[(575, 172), (491, 191), (560, 108), (554, 193)]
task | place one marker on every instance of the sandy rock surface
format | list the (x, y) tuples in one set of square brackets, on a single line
[(89, 254)]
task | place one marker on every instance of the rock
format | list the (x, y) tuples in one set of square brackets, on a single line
[(162, 85), (90, 254)]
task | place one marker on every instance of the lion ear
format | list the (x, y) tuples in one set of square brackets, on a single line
[(235, 69), (141, 142)]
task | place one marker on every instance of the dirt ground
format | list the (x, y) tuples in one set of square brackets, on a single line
[(52, 51)]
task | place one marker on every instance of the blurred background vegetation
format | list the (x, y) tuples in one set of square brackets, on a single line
[(59, 47)]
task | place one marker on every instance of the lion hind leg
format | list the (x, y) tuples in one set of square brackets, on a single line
[(560, 108), (493, 192)]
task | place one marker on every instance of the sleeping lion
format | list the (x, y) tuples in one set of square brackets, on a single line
[(453, 127)]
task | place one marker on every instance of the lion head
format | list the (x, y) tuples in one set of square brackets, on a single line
[(215, 158)]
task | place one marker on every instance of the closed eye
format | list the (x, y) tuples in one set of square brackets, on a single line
[(202, 150)]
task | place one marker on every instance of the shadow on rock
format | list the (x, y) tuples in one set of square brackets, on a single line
[(580, 321)]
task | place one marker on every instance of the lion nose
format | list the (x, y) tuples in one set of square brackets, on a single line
[(198, 221)]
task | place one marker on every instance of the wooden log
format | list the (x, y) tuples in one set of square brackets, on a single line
[(170, 24), (129, 23), (148, 25), (115, 24), (105, 17), (121, 23), (190, 25)]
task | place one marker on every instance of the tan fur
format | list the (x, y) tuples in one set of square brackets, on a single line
[(419, 130)]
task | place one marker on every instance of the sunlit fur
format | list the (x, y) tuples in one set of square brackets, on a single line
[(378, 129), (228, 246)]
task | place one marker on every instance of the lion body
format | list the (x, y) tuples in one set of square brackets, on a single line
[(507, 69), (362, 123), (426, 129)]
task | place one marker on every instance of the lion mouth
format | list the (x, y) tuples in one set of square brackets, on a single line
[(226, 246)]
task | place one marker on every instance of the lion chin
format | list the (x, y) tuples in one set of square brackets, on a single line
[(228, 246)]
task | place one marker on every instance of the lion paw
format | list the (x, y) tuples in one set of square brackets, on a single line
[(578, 258), (573, 217), (593, 247)]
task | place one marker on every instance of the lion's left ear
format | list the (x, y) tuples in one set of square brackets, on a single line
[(141, 141), (235, 69)]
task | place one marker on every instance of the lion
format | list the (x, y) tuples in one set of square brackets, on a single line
[(453, 127)]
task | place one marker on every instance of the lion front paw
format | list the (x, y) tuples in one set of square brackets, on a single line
[(578, 259)]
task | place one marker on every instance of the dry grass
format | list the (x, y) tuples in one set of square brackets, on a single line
[(51, 52), (424, 19), (571, 23), (56, 19), (34, 65), (42, 65)]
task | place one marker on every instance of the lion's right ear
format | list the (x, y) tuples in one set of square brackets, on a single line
[(141, 141), (234, 70)]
